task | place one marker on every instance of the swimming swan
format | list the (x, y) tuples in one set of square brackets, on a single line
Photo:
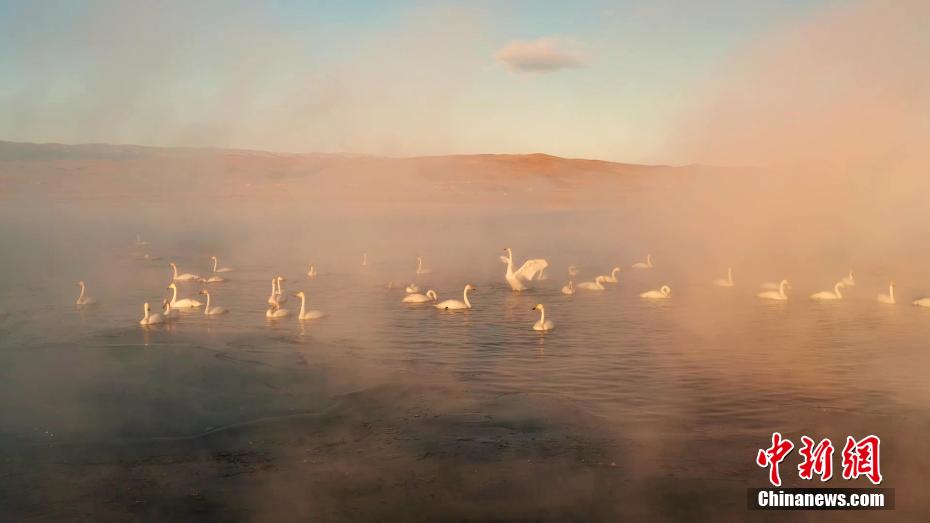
[(923, 302), (312, 272), (420, 269), (186, 303), (84, 299), (662, 293), (827, 295), (644, 265), (212, 311), (569, 288), (420, 298), (593, 285), (887, 298), (850, 280), (613, 276), (305, 314), (219, 269), (150, 318), (543, 324), (412, 288), (527, 272), (449, 305), (182, 277), (214, 278), (776, 295), (727, 282), (275, 311)]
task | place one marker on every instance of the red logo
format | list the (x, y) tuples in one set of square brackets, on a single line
[(774, 455), (860, 458)]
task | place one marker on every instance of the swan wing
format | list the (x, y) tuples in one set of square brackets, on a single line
[(530, 269)]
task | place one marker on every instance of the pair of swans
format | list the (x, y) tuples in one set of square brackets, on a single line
[(420, 298), (727, 282), (664, 292), (83, 298), (449, 305), (215, 277), (644, 265), (277, 295), (827, 295), (543, 324), (183, 303), (531, 269), (775, 295)]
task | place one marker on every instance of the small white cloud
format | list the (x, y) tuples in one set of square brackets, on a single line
[(542, 55)]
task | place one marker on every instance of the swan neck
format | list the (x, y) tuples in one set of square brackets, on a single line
[(303, 303), (174, 294), (174, 269), (207, 308), (891, 292), (542, 315), (215, 263), (81, 297), (465, 297), (836, 290)]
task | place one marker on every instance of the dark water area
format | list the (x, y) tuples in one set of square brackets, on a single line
[(628, 409)]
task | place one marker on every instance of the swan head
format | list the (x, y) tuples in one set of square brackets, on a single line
[(80, 283), (892, 284), (280, 278), (172, 285), (146, 307), (205, 292), (614, 271), (432, 295), (173, 264), (537, 307), (300, 294), (666, 290), (213, 258), (470, 287)]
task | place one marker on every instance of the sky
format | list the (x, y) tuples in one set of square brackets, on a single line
[(595, 79)]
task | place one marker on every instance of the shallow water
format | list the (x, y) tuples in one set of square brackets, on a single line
[(692, 385)]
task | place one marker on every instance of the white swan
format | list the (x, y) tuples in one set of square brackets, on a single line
[(219, 269), (365, 259), (150, 318), (168, 312), (572, 271), (412, 288), (727, 282), (850, 280), (182, 277), (273, 299), (613, 276), (543, 324), (923, 302), (660, 294), (275, 311), (887, 298), (83, 298), (595, 285), (212, 311), (280, 297), (420, 269), (569, 288), (776, 295), (420, 298), (185, 303), (456, 304), (214, 278), (527, 272), (305, 314), (827, 295), (312, 272), (644, 265)]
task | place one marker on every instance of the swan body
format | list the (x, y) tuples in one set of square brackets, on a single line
[(217, 269), (449, 305), (182, 277), (543, 324), (83, 298), (275, 311), (827, 295), (305, 314), (727, 282), (527, 272), (644, 265), (660, 294), (595, 285), (212, 311), (776, 295), (420, 298), (213, 279), (887, 298), (150, 318), (412, 288), (420, 269), (312, 272), (569, 288), (850, 280), (613, 276), (184, 303), (923, 302)]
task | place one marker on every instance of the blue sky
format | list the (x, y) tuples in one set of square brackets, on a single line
[(395, 78)]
